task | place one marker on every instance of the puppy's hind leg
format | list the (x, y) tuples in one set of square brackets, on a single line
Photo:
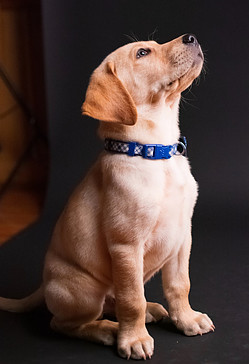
[(155, 312), (76, 307), (101, 331)]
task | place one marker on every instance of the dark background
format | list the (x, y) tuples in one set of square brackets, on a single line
[(77, 36)]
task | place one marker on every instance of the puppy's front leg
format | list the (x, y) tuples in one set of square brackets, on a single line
[(176, 286), (127, 267)]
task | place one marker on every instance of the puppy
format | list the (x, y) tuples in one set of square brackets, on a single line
[(131, 215)]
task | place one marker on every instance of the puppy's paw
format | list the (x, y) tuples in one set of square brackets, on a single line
[(193, 323), (155, 312), (107, 332), (136, 346)]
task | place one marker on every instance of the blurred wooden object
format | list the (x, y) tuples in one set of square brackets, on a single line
[(20, 207), (21, 58)]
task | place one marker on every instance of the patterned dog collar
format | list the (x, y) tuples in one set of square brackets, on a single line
[(148, 151)]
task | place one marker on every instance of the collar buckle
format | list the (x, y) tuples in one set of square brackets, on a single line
[(157, 151)]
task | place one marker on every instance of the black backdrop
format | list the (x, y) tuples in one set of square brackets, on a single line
[(77, 36)]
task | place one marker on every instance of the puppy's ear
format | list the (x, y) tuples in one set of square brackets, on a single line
[(107, 99)]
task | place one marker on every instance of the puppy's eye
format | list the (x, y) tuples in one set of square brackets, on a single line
[(142, 52)]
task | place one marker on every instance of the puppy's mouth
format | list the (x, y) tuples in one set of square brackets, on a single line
[(200, 54), (191, 72)]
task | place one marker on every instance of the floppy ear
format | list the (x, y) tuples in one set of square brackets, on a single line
[(107, 99)]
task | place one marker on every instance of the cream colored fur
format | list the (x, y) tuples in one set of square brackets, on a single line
[(130, 217)]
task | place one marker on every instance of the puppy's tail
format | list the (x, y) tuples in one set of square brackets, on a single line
[(24, 304)]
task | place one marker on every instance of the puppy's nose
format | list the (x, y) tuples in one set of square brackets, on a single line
[(190, 39)]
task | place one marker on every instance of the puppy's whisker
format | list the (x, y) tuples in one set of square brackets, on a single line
[(151, 36), (197, 81), (189, 91), (204, 67), (132, 37), (185, 100)]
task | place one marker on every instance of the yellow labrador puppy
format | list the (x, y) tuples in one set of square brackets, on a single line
[(131, 215)]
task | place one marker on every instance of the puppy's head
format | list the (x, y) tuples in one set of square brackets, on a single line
[(142, 73)]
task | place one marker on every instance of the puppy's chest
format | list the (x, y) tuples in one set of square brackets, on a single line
[(180, 192), (174, 219)]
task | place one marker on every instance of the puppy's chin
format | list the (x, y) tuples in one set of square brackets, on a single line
[(186, 80), (176, 87)]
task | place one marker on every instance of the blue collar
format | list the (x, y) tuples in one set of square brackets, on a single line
[(148, 151)]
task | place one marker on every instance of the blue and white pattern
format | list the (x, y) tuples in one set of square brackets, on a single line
[(148, 151), (138, 150)]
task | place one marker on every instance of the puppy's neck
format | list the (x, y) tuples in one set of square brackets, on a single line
[(156, 124), (159, 124)]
